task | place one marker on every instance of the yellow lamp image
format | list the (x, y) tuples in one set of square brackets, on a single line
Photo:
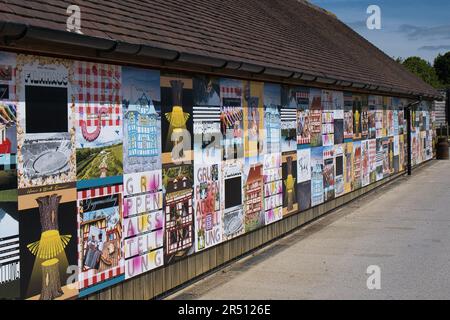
[(290, 183), (177, 118)]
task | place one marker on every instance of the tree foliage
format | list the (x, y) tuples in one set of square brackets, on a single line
[(422, 69), (442, 67)]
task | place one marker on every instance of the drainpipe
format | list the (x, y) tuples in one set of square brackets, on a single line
[(408, 132)]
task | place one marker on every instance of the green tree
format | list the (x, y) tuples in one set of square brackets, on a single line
[(442, 67), (423, 70)]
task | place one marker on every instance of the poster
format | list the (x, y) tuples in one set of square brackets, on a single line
[(290, 203), (253, 194), (357, 117), (46, 152), (364, 117), (357, 166), (380, 159), (288, 119), (179, 211), (8, 76), (348, 117), (141, 106), (327, 118), (232, 199), (328, 173), (273, 188), (48, 242), (348, 167), (232, 121), (373, 160), (339, 172), (303, 124), (317, 187), (386, 157), (143, 222), (374, 107), (272, 118), (8, 136), (254, 132), (338, 108), (365, 164), (304, 178), (315, 117), (100, 238)]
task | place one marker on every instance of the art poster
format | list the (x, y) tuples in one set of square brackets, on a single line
[(9, 236), (273, 188), (304, 178), (48, 242), (396, 154), (338, 108), (357, 165), (141, 107), (232, 198), (290, 203), (401, 117), (328, 173), (402, 149), (178, 209), (396, 104), (348, 167), (357, 117), (365, 163), (232, 119), (176, 120), (45, 153), (364, 117), (253, 194), (374, 107), (143, 222), (390, 118), (380, 159), (317, 187), (97, 90), (339, 170), (288, 119), (8, 76), (8, 136), (327, 118), (315, 117), (254, 133), (272, 118), (348, 116), (379, 130), (303, 124), (101, 260), (386, 157), (385, 126), (373, 160)]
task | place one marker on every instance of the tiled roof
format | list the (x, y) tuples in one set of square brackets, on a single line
[(290, 35)]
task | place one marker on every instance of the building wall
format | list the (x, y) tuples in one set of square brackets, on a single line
[(134, 179)]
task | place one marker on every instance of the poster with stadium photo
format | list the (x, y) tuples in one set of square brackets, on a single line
[(232, 199), (98, 107), (46, 152)]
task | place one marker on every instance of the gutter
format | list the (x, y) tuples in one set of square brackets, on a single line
[(12, 32)]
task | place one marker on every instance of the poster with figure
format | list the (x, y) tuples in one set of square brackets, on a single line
[(357, 166), (315, 117), (348, 167), (178, 209), (232, 119), (327, 118), (365, 165), (373, 160), (8, 76), (328, 173), (290, 203), (253, 194), (273, 188), (317, 187), (303, 124), (357, 117), (338, 108), (396, 154), (374, 106), (288, 119), (380, 159), (143, 222), (100, 238), (8, 136), (364, 117), (272, 118), (46, 153), (378, 106), (385, 126), (232, 198), (339, 170), (304, 178), (141, 106), (348, 117), (386, 157), (254, 133), (48, 242), (176, 120)]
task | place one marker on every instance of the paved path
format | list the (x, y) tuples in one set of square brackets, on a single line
[(404, 228)]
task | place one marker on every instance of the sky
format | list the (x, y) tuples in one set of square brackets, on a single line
[(408, 27)]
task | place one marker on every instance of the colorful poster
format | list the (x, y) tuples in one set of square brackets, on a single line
[(357, 165), (402, 148), (272, 118), (380, 159), (385, 126), (375, 105), (8, 136), (100, 240), (253, 194), (315, 117), (143, 222), (373, 160), (357, 117), (365, 165), (290, 203), (364, 117), (254, 132), (46, 152), (304, 178), (339, 172), (288, 119), (179, 211), (232, 198), (348, 116), (273, 188), (48, 242), (303, 124), (232, 121), (348, 167), (176, 121), (141, 106), (386, 157), (327, 118), (338, 108), (317, 187), (8, 76), (328, 173)]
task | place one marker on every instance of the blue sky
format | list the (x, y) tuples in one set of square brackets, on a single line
[(408, 27)]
